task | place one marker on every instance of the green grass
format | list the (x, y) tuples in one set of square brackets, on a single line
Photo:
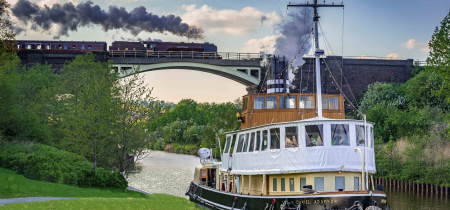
[(154, 201), (13, 185)]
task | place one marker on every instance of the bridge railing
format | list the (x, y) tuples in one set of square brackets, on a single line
[(184, 54)]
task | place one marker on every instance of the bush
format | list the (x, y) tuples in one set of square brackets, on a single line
[(46, 163), (169, 148), (104, 178), (193, 151)]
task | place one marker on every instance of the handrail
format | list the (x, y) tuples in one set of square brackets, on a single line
[(185, 54)]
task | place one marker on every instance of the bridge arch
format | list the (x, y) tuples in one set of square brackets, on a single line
[(243, 72)]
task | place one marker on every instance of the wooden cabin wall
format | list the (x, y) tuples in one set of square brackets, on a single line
[(257, 117)]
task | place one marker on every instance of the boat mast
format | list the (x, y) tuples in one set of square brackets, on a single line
[(318, 51)]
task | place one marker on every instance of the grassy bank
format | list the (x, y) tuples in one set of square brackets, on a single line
[(13, 185)]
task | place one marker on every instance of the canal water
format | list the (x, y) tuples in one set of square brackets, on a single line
[(169, 173)]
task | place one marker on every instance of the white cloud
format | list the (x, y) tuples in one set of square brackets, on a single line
[(265, 44), (395, 56), (413, 44), (245, 21)]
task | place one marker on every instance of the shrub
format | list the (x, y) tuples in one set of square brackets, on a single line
[(46, 163), (104, 178), (169, 148), (193, 151)]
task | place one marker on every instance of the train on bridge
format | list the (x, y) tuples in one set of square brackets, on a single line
[(125, 49)]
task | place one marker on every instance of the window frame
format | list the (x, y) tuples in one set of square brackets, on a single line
[(301, 188), (283, 102), (296, 136), (275, 102), (274, 185), (329, 103), (336, 182), (325, 102), (263, 102), (357, 136), (291, 184), (252, 142), (265, 146), (258, 141), (321, 131), (315, 183), (347, 133), (304, 104), (279, 139), (283, 184), (246, 141)]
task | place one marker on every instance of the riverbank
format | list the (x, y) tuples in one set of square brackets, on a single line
[(162, 172)]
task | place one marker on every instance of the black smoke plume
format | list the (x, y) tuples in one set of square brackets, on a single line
[(69, 17)]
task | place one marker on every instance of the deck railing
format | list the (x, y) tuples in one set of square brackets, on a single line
[(185, 54)]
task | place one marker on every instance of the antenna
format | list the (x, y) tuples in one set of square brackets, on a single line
[(318, 51)]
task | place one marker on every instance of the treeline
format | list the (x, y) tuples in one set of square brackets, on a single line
[(191, 125), (87, 110), (412, 119)]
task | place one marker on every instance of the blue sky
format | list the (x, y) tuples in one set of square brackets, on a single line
[(398, 29)]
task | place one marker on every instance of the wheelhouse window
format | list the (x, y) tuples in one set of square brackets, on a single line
[(339, 135), (252, 142), (291, 137), (258, 140), (38, 46), (244, 103), (307, 102), (83, 47), (324, 102), (246, 143), (258, 103), (334, 103), (271, 102), (359, 135), (265, 141), (314, 135), (275, 138), (287, 102)]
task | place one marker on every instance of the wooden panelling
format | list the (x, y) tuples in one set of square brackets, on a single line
[(256, 117)]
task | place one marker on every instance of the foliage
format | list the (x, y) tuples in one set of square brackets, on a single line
[(6, 32), (103, 178)]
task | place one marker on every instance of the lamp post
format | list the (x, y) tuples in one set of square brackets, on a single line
[(362, 161)]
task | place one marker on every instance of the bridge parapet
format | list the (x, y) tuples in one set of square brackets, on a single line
[(185, 54)]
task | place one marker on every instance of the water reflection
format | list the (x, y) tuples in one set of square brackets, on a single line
[(403, 200)]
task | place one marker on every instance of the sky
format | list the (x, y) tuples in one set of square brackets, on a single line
[(398, 29)]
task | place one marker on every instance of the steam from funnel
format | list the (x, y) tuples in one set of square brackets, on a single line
[(69, 17), (294, 32)]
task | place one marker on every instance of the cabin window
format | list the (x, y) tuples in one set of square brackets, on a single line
[(240, 143), (48, 47), (302, 183), (291, 137), (275, 138), (319, 183), (244, 104), (60, 47), (274, 184), (258, 103), (359, 135), (65, 46), (258, 140), (339, 183), (283, 183), (355, 183), (151, 46), (227, 144), (287, 102), (89, 47), (73, 47), (307, 102), (271, 102), (29, 46), (334, 103), (38, 46), (372, 140), (246, 143), (18, 46), (252, 142), (291, 184), (313, 135), (265, 141), (83, 47), (339, 135)]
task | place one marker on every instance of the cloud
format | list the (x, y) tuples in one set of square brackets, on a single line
[(413, 44), (245, 21), (390, 56), (266, 44), (395, 56)]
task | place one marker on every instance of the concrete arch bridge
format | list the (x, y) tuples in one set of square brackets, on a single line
[(241, 67)]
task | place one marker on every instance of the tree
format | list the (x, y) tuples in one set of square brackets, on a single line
[(439, 58), (6, 32)]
